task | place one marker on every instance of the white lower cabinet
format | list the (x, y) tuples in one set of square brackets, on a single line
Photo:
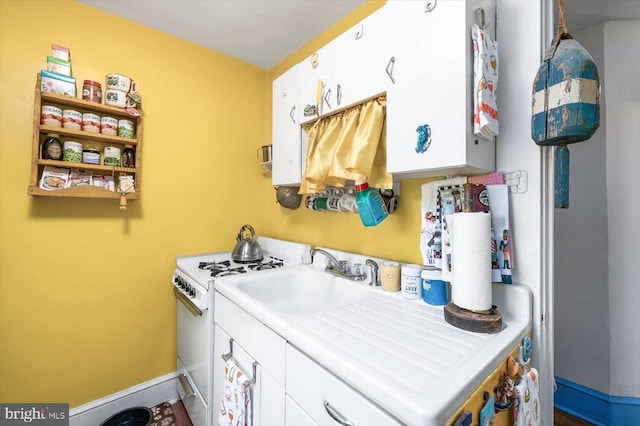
[(268, 407), (295, 416), (326, 399)]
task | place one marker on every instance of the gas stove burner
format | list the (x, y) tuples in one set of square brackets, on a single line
[(215, 265), (273, 264), (226, 272)]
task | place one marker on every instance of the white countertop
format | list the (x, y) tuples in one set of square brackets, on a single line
[(399, 353)]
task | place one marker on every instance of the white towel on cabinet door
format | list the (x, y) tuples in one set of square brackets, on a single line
[(235, 409), (485, 83), (528, 403)]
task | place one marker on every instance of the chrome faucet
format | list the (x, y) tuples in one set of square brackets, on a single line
[(375, 276), (339, 268)]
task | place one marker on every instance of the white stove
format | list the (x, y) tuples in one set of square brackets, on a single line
[(193, 280)]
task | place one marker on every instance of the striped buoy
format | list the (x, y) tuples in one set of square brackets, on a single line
[(566, 102)]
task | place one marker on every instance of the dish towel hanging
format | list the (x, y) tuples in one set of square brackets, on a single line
[(485, 83), (527, 411), (235, 409)]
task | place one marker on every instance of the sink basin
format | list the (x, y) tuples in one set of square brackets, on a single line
[(301, 291)]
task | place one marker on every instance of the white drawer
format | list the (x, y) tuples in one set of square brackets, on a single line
[(312, 388)]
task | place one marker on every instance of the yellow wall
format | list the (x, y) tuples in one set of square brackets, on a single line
[(86, 308)]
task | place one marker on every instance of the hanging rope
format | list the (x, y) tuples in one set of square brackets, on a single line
[(562, 24)]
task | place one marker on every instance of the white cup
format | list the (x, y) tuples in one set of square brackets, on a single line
[(121, 82), (390, 276), (116, 98)]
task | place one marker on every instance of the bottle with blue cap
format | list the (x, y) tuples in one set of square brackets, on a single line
[(371, 207)]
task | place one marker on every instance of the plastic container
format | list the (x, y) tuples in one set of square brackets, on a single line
[(434, 290), (410, 281), (92, 91), (59, 66), (370, 204), (60, 52), (58, 84)]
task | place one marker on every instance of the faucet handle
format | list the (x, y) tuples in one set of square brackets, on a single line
[(375, 275), (357, 269)]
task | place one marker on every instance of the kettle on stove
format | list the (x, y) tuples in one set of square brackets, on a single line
[(247, 249)]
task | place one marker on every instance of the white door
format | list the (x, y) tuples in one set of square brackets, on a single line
[(286, 131), (430, 85), (317, 83), (268, 405), (361, 59)]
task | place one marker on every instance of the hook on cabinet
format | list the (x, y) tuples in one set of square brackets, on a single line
[(481, 18)]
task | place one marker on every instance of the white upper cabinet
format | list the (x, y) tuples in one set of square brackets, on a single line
[(349, 69), (361, 58), (317, 85), (286, 131), (433, 72)]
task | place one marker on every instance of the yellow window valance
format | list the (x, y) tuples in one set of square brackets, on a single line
[(346, 145)]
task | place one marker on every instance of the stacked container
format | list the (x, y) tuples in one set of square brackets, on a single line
[(57, 78)]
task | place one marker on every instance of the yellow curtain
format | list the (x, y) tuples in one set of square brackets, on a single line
[(345, 145)]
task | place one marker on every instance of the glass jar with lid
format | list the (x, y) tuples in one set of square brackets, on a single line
[(128, 156)]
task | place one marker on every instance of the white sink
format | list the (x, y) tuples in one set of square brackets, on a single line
[(301, 290)]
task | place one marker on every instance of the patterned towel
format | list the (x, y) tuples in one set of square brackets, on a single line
[(485, 79), (236, 403)]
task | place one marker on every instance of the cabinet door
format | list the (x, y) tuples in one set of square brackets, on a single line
[(433, 85), (314, 70), (361, 57), (268, 397), (295, 416), (286, 130), (325, 397)]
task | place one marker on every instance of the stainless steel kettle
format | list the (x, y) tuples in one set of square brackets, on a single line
[(247, 249)]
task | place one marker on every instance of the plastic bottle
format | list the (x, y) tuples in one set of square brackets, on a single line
[(371, 206)]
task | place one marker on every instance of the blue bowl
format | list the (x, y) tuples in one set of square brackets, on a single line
[(137, 416)]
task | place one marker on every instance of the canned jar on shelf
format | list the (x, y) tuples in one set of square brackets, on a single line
[(92, 91)]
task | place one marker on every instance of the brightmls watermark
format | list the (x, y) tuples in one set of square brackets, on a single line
[(35, 414)]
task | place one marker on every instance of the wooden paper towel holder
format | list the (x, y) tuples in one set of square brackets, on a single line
[(479, 322)]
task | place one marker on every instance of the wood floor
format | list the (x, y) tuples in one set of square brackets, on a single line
[(560, 418), (182, 418)]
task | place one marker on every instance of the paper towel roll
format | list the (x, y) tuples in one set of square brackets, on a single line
[(471, 261)]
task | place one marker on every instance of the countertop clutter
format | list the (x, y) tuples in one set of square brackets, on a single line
[(83, 147), (401, 356)]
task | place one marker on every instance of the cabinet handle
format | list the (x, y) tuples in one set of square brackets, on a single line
[(389, 69), (188, 391), (326, 98), (339, 95), (293, 111), (335, 414)]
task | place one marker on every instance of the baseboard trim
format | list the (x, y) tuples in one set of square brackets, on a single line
[(595, 407), (147, 394)]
